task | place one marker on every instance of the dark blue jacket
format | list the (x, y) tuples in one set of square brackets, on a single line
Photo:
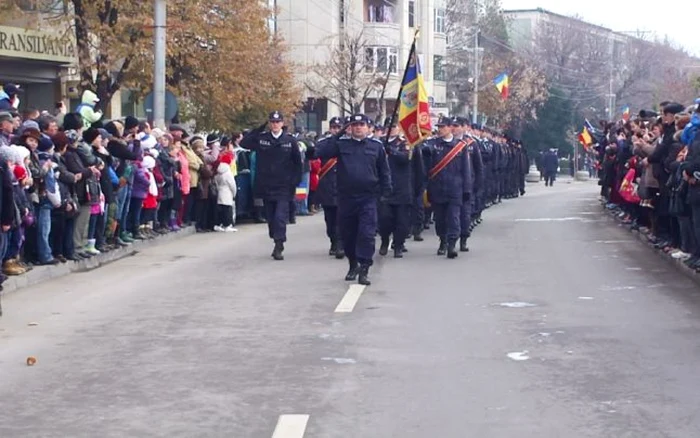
[(327, 191), (278, 169), (477, 168), (551, 162), (454, 183), (406, 172), (362, 169)]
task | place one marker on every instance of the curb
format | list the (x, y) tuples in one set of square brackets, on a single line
[(678, 264), (41, 274)]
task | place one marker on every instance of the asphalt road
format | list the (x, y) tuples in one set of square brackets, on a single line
[(557, 324)]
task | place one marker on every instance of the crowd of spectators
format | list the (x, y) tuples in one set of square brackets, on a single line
[(650, 176), (75, 185)]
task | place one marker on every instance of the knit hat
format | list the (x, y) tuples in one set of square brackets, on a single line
[(28, 124), (45, 144), (90, 135), (20, 172), (115, 128), (8, 153), (130, 122), (31, 132), (157, 133), (212, 138), (72, 121)]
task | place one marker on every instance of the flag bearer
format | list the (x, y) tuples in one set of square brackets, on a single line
[(363, 176), (449, 184), (395, 211), (327, 192)]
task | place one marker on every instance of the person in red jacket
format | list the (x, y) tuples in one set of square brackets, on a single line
[(315, 166)]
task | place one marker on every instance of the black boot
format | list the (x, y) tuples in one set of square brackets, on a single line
[(352, 272), (384, 248), (463, 244), (398, 251), (340, 252), (418, 237), (363, 278), (334, 248), (452, 250), (277, 252), (442, 250)]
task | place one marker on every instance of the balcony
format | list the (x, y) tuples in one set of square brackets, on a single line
[(382, 12)]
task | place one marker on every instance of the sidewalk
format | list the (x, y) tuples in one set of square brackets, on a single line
[(642, 237), (41, 274)]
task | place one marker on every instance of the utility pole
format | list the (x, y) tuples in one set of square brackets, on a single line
[(475, 109), (611, 95), (160, 11)]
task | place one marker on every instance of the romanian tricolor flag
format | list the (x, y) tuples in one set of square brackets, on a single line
[(626, 113), (585, 138), (414, 109), (502, 82)]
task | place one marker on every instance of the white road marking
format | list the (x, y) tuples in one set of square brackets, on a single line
[(347, 304), (515, 305), (586, 298), (291, 426), (519, 356)]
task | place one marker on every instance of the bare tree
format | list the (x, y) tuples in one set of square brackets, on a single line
[(348, 78)]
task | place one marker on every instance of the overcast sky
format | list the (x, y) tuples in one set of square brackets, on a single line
[(680, 21)]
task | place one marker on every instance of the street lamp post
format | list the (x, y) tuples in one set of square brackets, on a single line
[(160, 11)]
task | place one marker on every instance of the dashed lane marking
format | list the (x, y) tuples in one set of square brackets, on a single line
[(291, 426), (347, 304)]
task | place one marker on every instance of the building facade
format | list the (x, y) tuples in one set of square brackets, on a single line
[(41, 59), (312, 27)]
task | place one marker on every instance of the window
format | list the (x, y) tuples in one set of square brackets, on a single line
[(272, 19), (439, 20), (380, 12), (411, 13), (381, 59), (439, 68)]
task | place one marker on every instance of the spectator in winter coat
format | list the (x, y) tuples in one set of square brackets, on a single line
[(8, 97), (226, 197), (139, 192), (86, 109), (75, 165), (63, 217)]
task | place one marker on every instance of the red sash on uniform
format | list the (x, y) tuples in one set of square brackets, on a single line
[(447, 159), (327, 168)]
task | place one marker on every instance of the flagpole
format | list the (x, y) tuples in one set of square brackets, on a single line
[(411, 53)]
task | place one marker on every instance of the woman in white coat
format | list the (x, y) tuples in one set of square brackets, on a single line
[(226, 185)]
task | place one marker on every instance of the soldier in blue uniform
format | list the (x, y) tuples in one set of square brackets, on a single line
[(278, 173), (395, 211), (449, 184), (363, 177), (476, 167), (327, 192)]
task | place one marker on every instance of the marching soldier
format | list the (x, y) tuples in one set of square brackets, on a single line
[(363, 176), (449, 184), (327, 192), (395, 211), (278, 173), (477, 172)]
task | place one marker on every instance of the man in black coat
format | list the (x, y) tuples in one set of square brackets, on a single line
[(395, 211), (278, 173), (363, 177)]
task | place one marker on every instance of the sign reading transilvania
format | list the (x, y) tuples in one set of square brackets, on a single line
[(16, 42)]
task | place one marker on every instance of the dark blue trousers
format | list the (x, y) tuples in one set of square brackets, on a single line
[(465, 218), (277, 215), (394, 219), (358, 226), (447, 218), (330, 216), (418, 215)]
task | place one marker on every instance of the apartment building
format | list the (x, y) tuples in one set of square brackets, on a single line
[(310, 27), (42, 60)]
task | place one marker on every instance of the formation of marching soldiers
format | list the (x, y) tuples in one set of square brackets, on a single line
[(371, 183)]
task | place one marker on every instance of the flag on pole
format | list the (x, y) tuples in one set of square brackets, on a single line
[(502, 83), (626, 113), (585, 138), (414, 108)]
